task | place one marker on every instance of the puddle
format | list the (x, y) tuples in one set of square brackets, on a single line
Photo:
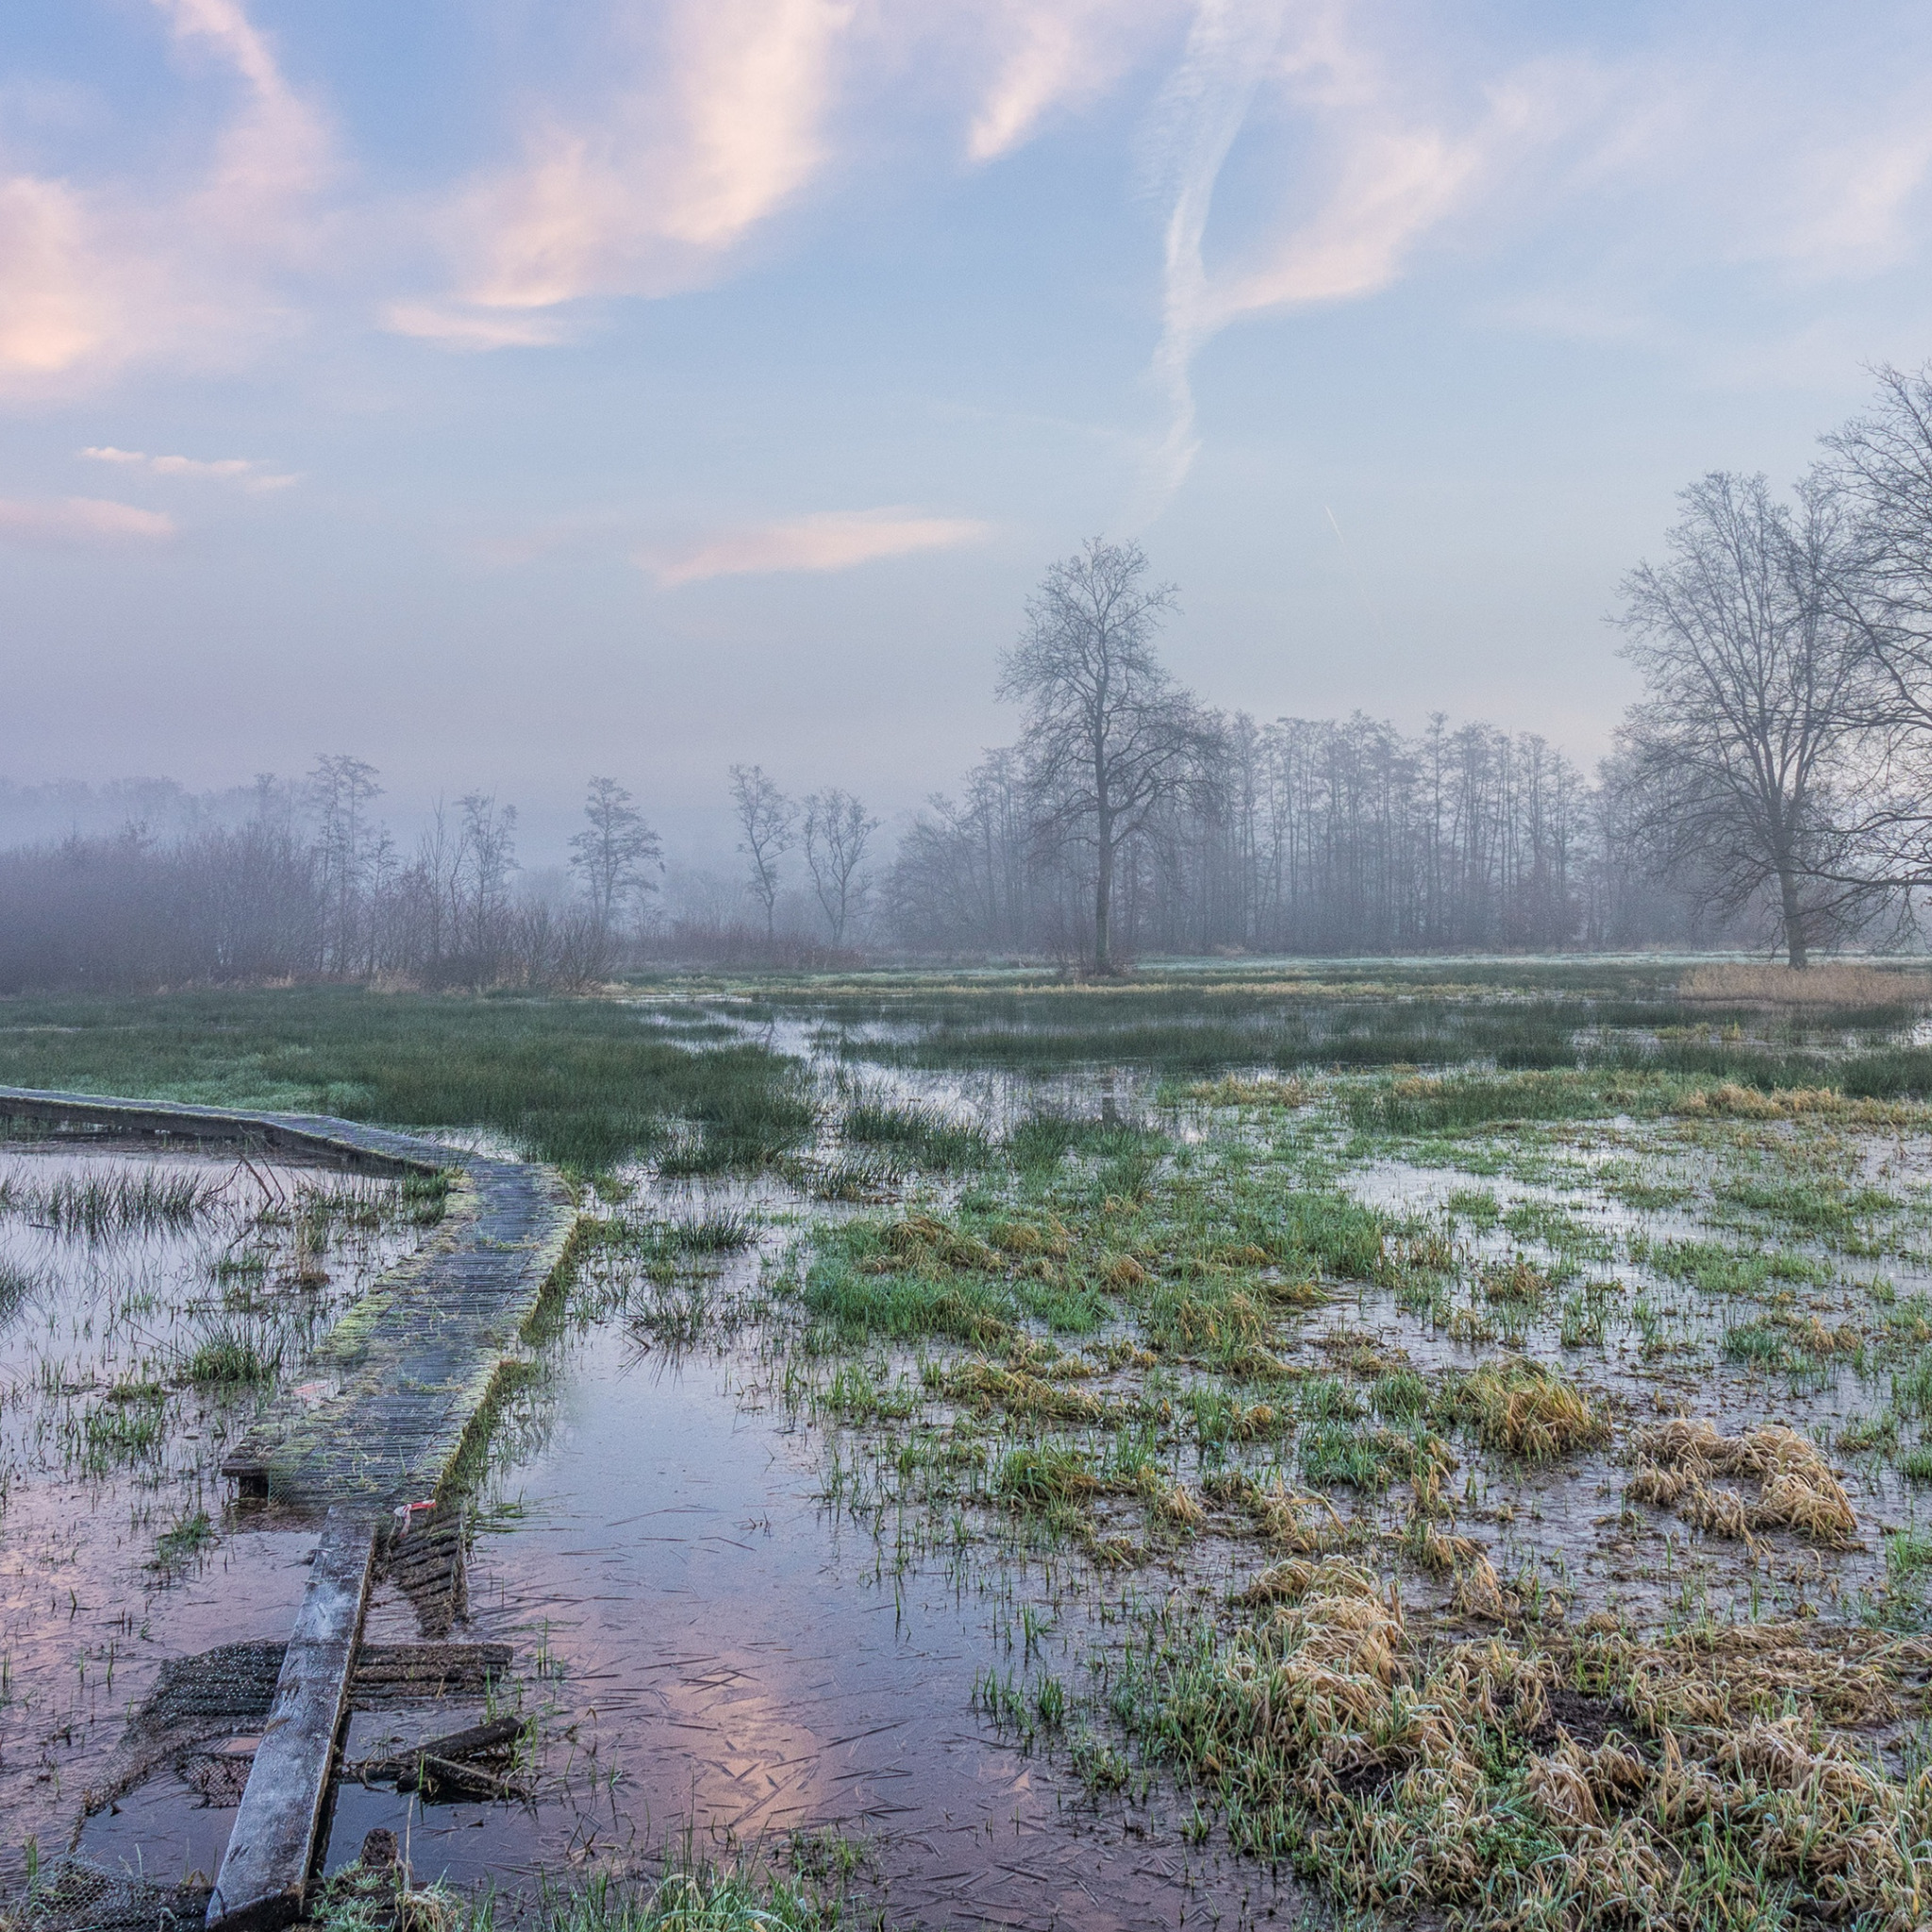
[(715, 1644)]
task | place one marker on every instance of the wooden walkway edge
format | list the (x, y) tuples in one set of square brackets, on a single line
[(276, 1836)]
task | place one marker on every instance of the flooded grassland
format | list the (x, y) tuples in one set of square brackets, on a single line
[(1214, 1449)]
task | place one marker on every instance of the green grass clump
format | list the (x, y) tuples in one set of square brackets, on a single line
[(1713, 1268), (100, 1205), (1043, 1141), (857, 1306), (1345, 1452), (183, 1541), (1463, 1102), (233, 1357), (1401, 1396), (1045, 1477), (116, 1432), (712, 1233), (925, 1136)]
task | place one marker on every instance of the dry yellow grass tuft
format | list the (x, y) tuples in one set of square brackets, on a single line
[(1026, 1238), (1306, 1524), (1739, 1799), (1519, 1406), (1180, 1504), (1840, 983), (1479, 1591), (1017, 1391), (1231, 1090), (1729, 1101), (1676, 1461), (925, 1241)]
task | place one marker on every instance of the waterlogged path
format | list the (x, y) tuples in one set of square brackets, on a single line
[(389, 1398), (715, 1640), (402, 1376)]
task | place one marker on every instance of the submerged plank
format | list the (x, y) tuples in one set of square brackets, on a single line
[(273, 1847)]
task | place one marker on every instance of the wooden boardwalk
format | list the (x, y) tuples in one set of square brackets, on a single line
[(409, 1368), (403, 1378)]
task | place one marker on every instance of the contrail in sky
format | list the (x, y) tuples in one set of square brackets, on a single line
[(1200, 112)]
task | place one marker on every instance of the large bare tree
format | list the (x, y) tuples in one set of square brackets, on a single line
[(1881, 464), (1757, 703), (1109, 735), (836, 830)]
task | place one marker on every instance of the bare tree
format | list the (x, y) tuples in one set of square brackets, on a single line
[(488, 855), (765, 820), (342, 789), (1756, 701), (1881, 463), (616, 853), (837, 831), (1110, 736)]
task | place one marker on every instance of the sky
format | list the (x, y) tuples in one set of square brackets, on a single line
[(507, 392)]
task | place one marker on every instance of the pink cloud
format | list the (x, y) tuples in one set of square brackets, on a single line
[(81, 520), (100, 275), (834, 540)]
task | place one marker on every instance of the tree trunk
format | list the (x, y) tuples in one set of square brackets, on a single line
[(1794, 920), (1103, 909)]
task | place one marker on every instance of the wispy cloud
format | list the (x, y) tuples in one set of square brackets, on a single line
[(81, 520), (1200, 112), (833, 539), (450, 327), (722, 122), (1052, 54), (243, 470), (276, 148), (1375, 174), (101, 274)]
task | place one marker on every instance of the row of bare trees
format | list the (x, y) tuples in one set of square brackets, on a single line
[(1782, 752), (831, 829), (1131, 818), (1776, 778)]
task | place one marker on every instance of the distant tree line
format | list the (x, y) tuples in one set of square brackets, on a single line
[(1304, 836), (310, 884), (1774, 782), (1130, 819)]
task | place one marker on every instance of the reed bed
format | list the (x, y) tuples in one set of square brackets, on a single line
[(1840, 983), (100, 1205)]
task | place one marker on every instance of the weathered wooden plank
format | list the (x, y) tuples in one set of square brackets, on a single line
[(273, 1847), (394, 1674)]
